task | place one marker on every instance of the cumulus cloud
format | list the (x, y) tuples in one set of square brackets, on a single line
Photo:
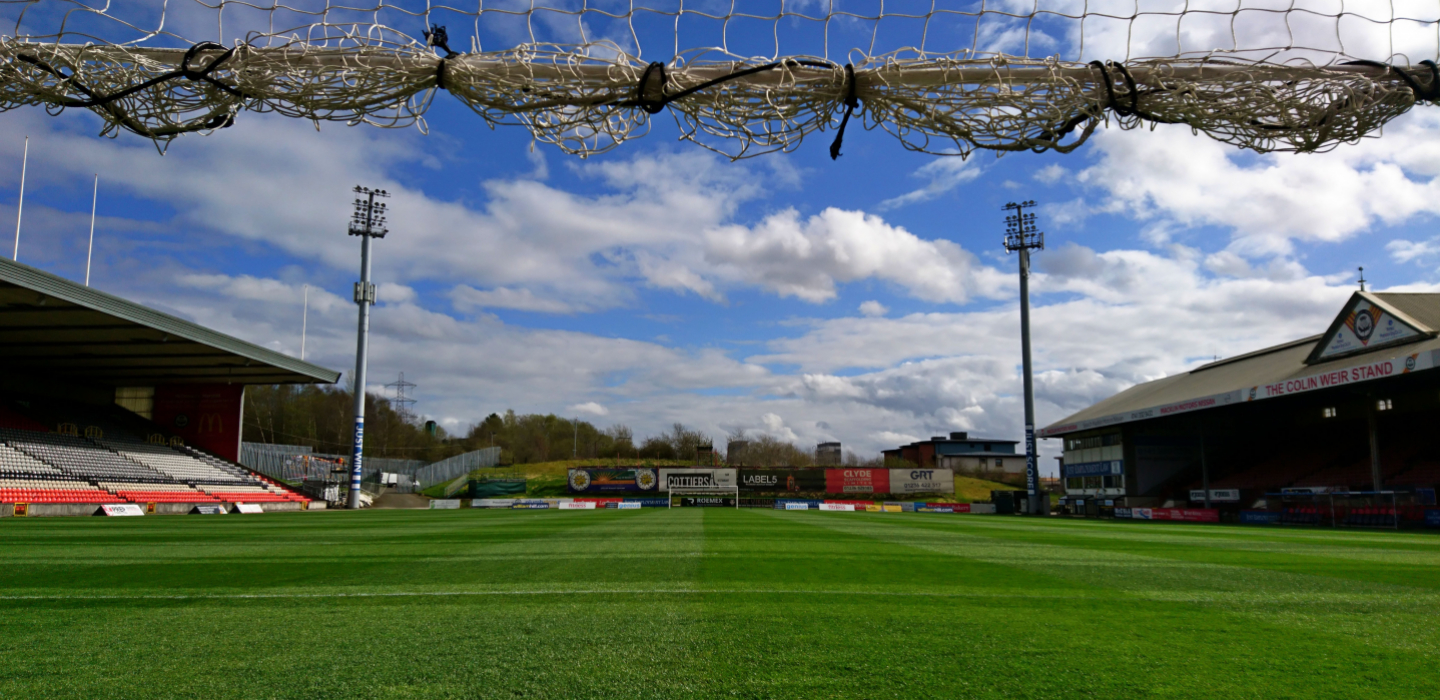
[(807, 258), (589, 408), (1268, 202), (873, 308)]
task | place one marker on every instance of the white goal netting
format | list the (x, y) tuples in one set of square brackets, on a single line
[(740, 77)]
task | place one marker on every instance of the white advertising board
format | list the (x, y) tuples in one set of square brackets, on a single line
[(492, 503), (444, 503), (125, 509), (577, 505), (248, 508), (628, 505), (797, 506), (922, 481), (846, 507), (696, 478)]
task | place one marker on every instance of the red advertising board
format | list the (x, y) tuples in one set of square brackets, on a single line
[(205, 415), (954, 507), (1189, 515), (852, 503), (857, 481)]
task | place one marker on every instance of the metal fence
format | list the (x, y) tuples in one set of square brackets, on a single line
[(297, 463), (457, 466)]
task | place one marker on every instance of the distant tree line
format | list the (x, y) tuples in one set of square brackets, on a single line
[(320, 417)]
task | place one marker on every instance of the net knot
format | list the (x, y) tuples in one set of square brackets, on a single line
[(437, 37)]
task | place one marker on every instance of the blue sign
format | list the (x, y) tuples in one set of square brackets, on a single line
[(1259, 517), (358, 456), (1122, 513), (1032, 471), (1432, 517), (1106, 468)]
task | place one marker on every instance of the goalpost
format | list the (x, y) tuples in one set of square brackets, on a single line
[(945, 77), (705, 497)]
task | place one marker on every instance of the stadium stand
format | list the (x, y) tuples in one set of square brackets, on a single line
[(38, 466)]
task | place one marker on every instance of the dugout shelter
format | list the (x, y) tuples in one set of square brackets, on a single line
[(1347, 411)]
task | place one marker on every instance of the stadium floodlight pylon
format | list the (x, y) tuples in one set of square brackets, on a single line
[(946, 76), (367, 222)]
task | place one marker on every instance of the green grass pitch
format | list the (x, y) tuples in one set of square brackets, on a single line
[(710, 603)]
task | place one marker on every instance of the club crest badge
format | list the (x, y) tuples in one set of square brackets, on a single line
[(579, 480), (1362, 323), (645, 479)]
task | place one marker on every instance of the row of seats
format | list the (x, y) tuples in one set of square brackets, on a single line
[(13, 462), (53, 491), (169, 462), (79, 457)]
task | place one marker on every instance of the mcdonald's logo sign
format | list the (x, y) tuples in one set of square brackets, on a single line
[(210, 423)]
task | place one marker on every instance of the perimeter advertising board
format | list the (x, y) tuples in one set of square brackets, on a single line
[(1432, 518), (858, 481), (782, 480), (636, 480), (696, 478), (707, 501), (922, 481)]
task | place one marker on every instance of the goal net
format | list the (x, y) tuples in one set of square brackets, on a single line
[(707, 497), (940, 76)]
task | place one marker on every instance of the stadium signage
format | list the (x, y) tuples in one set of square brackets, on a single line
[(199, 510), (1105, 468), (922, 481), (128, 509), (1432, 518), (782, 480), (696, 478), (628, 505), (859, 481), (1216, 495), (707, 501), (839, 507), (1378, 369), (797, 506), (444, 503), (577, 505), (251, 508), (636, 480)]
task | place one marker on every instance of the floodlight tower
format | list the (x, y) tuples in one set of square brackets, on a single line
[(1021, 237), (367, 222)]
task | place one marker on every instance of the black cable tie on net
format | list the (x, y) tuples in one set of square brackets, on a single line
[(1428, 94), (650, 91), (651, 96), (184, 71), (851, 104)]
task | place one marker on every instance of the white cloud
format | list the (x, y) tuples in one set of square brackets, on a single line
[(467, 298), (808, 258), (945, 173), (873, 308), (1051, 173), (589, 408), (1175, 180)]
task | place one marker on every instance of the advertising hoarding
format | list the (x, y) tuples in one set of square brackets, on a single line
[(1216, 495), (1259, 517), (838, 507), (707, 501), (781, 480), (696, 478), (797, 506), (632, 480), (922, 481), (1432, 517), (444, 503), (127, 509), (577, 505), (858, 481)]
